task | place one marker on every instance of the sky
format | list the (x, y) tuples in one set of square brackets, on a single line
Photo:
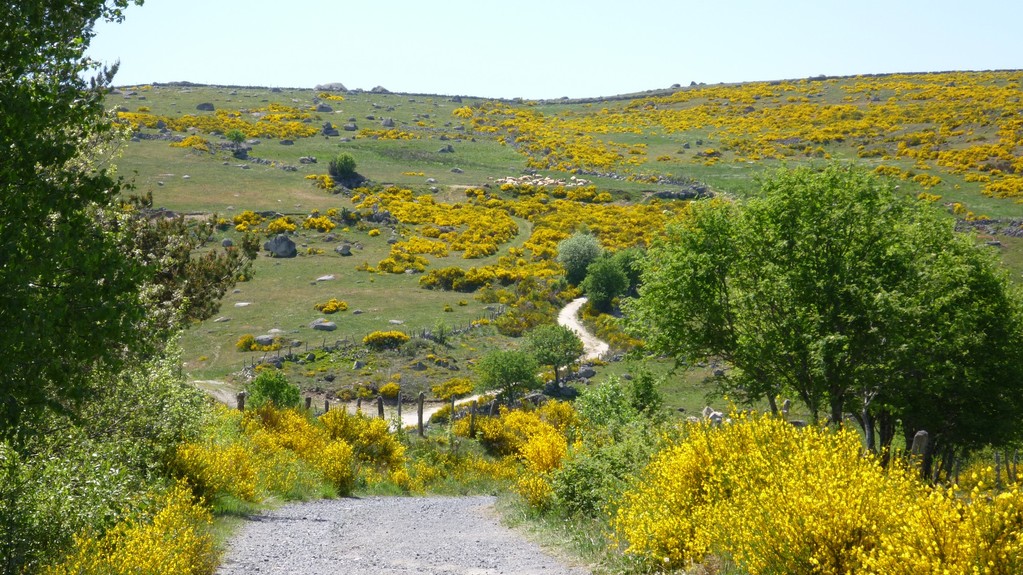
[(543, 49)]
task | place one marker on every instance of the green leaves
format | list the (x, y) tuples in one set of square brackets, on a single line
[(832, 288)]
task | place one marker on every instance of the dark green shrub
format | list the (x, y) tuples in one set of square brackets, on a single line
[(271, 386), (342, 167)]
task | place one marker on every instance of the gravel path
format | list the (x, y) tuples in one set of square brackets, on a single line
[(593, 348), (387, 535)]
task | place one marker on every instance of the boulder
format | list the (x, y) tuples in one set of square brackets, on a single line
[(281, 246), (380, 90), (323, 108), (332, 87), (344, 250), (388, 123), (264, 339), (227, 242), (205, 107), (448, 149), (586, 372), (322, 324), (287, 142), (307, 160), (350, 127)]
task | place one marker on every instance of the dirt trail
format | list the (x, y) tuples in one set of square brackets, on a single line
[(593, 348), (387, 535)]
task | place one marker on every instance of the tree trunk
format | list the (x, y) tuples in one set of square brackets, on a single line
[(867, 423)]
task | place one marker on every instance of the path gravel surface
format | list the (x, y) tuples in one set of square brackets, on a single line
[(387, 535)]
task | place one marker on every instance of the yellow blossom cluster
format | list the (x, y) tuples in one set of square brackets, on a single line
[(322, 181), (272, 121), (177, 538), (389, 134), (194, 142), (772, 498), (333, 305), (281, 225)]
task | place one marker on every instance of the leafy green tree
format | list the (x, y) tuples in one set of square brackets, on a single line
[(553, 345), (576, 253), (509, 372), (605, 280), (631, 262), (89, 285), (271, 387), (831, 287)]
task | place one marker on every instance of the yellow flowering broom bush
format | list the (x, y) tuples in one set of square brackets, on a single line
[(771, 498), (176, 539)]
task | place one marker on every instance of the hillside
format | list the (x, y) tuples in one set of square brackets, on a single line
[(489, 187)]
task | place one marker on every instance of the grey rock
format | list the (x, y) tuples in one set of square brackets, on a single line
[(307, 160), (586, 372), (350, 127), (205, 107), (323, 108), (287, 142), (227, 242), (344, 250), (265, 339), (322, 324), (281, 246), (388, 123), (331, 87)]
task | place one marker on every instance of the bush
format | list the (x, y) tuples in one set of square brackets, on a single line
[(271, 387), (390, 390), (342, 167), (385, 339), (333, 305)]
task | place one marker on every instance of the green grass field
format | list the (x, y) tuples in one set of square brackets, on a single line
[(281, 293)]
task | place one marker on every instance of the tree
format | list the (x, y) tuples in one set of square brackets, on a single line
[(605, 280), (271, 387), (831, 287), (576, 253), (508, 372), (553, 345), (81, 293)]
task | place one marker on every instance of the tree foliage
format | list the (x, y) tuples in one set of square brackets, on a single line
[(272, 387), (510, 372), (834, 289), (89, 283), (576, 253), (553, 345), (605, 280)]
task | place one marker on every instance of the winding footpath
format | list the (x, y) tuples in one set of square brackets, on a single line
[(593, 348), (397, 535)]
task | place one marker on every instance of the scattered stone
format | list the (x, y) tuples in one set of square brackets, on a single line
[(448, 149), (357, 312), (332, 87), (388, 123), (227, 242), (281, 246), (325, 278), (287, 142), (205, 107), (456, 99), (396, 322), (329, 130), (264, 339), (344, 250), (307, 160), (221, 319), (350, 127), (322, 324), (457, 170), (359, 364), (380, 90), (431, 180), (323, 108), (418, 366), (310, 356), (243, 304), (586, 372)]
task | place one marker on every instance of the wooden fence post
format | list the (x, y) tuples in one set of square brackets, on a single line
[(308, 403), (358, 405), (422, 398), (241, 400), (326, 405), (399, 410), (472, 421), (380, 406)]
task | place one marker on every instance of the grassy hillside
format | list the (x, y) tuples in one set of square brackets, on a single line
[(952, 139)]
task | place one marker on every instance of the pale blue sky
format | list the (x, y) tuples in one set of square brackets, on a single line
[(548, 49)]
